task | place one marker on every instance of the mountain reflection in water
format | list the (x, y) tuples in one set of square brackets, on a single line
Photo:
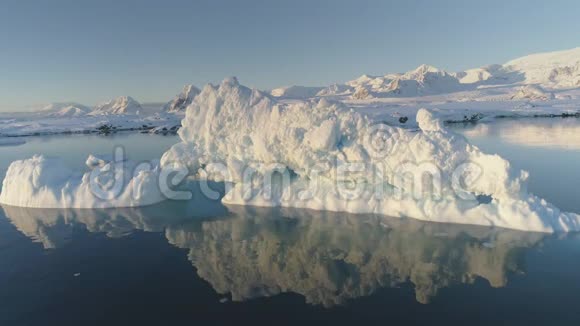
[(326, 257)]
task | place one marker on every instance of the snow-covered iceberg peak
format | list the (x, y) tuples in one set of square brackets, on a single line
[(330, 158), (182, 100), (119, 105)]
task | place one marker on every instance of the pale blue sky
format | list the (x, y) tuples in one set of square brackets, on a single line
[(90, 51)]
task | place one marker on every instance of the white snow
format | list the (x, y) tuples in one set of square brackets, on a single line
[(70, 111), (230, 129), (477, 75), (421, 81), (57, 107), (311, 136), (558, 69), (361, 93), (47, 183), (553, 70), (182, 100), (335, 89), (296, 92), (70, 119), (236, 126), (487, 92), (119, 105), (532, 92)]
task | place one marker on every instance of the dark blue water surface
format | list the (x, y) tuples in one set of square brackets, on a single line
[(201, 263)]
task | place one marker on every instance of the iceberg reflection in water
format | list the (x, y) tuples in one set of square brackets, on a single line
[(329, 258)]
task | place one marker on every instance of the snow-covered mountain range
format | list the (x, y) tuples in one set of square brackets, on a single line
[(68, 109), (545, 84), (533, 77), (546, 71), (119, 105), (559, 69)]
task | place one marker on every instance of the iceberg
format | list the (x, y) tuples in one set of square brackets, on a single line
[(42, 182), (314, 154), (303, 155), (182, 100)]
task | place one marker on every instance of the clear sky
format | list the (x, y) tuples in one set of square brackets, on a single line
[(90, 51)]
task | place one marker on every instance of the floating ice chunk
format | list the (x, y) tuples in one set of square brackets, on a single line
[(428, 122), (315, 149), (47, 183)]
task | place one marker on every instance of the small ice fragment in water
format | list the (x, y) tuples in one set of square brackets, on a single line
[(224, 300), (77, 274)]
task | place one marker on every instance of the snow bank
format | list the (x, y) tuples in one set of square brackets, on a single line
[(46, 183), (230, 130)]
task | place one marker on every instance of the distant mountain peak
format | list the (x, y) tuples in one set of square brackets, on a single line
[(119, 105)]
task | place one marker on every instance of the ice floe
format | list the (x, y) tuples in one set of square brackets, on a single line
[(47, 183)]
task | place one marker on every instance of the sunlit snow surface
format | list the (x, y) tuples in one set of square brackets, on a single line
[(309, 154)]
